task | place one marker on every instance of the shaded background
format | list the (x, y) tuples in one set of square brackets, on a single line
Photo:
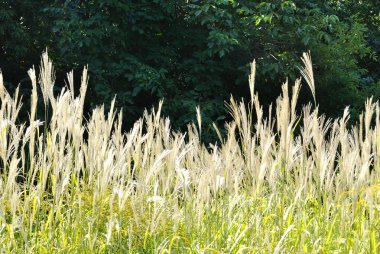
[(195, 52)]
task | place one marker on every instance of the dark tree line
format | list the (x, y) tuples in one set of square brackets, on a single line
[(196, 52)]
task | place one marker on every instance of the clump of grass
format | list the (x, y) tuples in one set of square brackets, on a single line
[(264, 189)]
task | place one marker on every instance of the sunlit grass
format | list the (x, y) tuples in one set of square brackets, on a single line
[(262, 189)]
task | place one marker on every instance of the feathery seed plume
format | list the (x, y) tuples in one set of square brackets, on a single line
[(307, 73)]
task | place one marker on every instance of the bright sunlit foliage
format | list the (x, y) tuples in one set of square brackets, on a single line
[(295, 182)]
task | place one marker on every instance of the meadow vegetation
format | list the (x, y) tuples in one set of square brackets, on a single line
[(293, 182)]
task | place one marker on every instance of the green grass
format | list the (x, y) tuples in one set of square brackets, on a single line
[(262, 189)]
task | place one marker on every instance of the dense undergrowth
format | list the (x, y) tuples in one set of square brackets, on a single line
[(284, 184)]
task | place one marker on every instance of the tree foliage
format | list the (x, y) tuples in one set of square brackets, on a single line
[(197, 52)]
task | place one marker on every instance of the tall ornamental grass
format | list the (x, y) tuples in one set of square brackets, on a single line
[(293, 182)]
